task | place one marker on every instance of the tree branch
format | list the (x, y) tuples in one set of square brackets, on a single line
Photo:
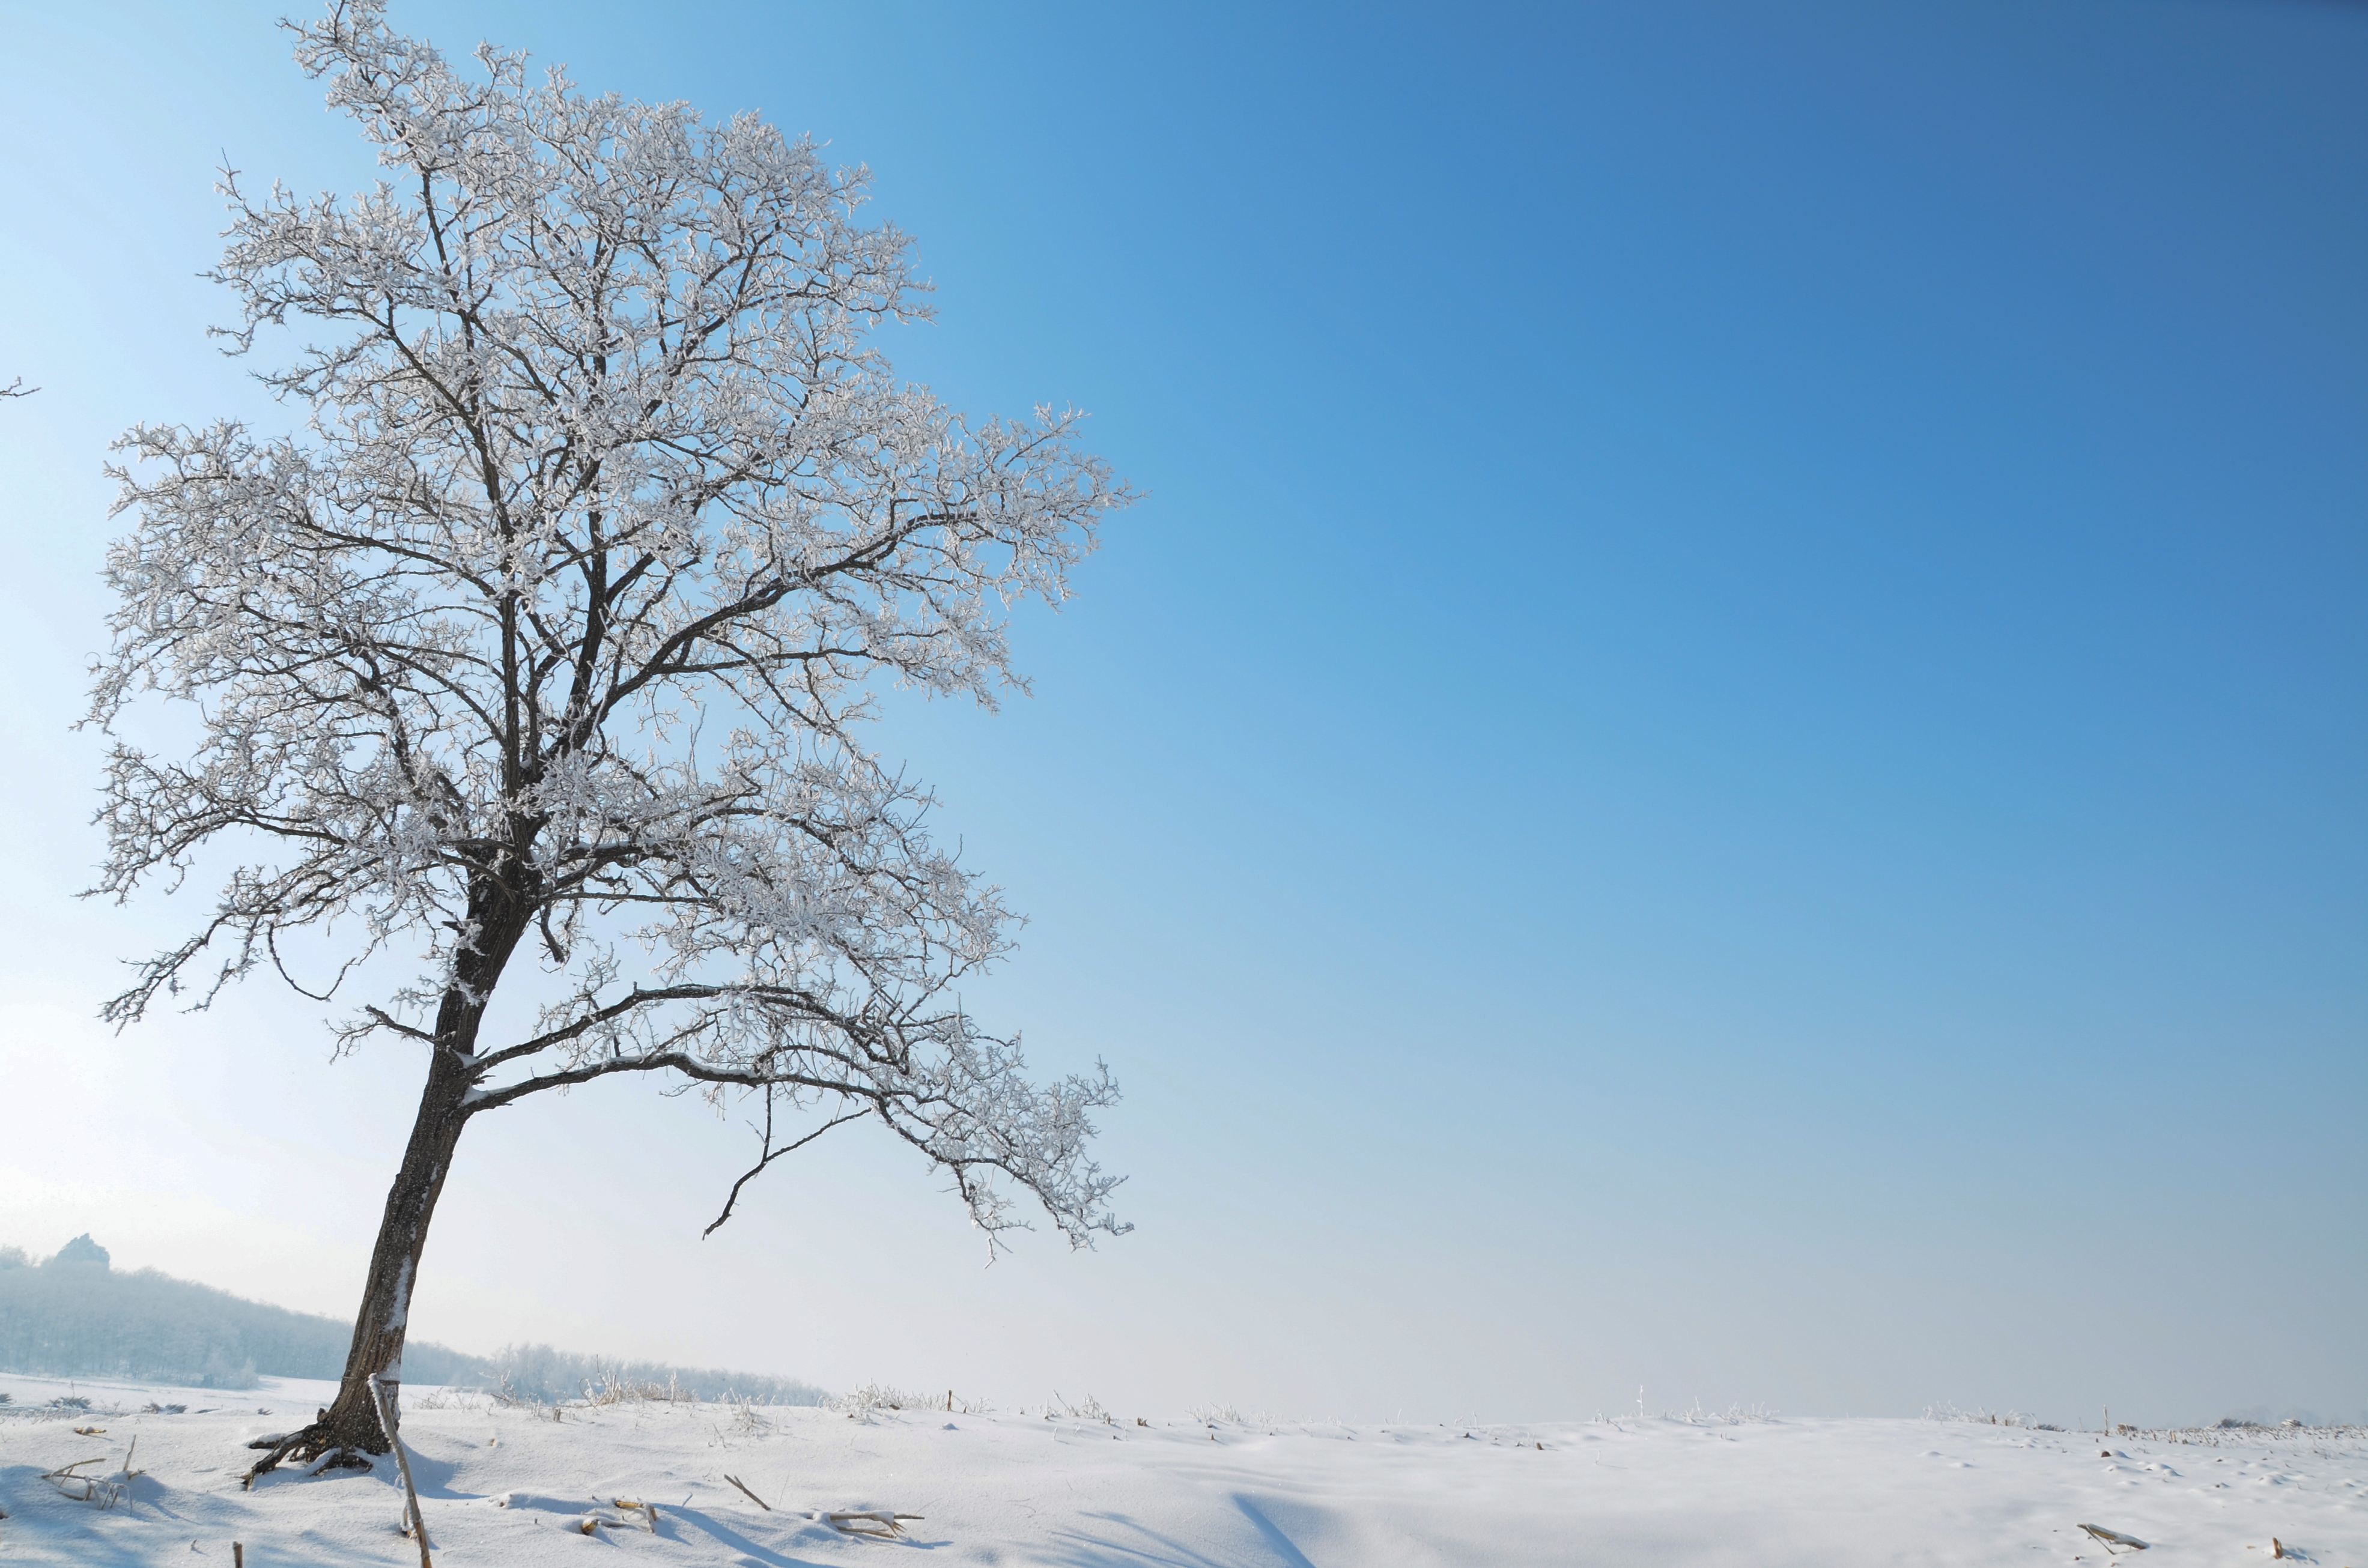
[(769, 1156)]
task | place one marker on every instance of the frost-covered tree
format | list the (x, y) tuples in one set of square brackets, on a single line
[(551, 638)]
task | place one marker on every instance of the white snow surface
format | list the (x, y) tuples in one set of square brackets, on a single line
[(508, 1486)]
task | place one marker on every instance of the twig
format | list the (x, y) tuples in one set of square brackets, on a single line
[(768, 1155), (846, 1521), (95, 1489), (750, 1495), (402, 1463), (2111, 1539)]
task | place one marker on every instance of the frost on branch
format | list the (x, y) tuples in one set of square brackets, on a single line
[(557, 625)]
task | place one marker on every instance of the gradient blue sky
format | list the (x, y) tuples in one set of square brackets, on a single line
[(1731, 753)]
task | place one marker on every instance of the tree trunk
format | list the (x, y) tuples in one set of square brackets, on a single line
[(350, 1428), (380, 1326), (349, 1431)]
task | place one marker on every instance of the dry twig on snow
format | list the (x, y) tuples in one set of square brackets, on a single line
[(97, 1489), (870, 1521), (2113, 1539)]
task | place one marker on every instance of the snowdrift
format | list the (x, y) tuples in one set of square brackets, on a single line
[(512, 1486)]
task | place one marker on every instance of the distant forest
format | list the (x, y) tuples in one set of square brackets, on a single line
[(73, 1315)]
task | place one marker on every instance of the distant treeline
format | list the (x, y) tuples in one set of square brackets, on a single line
[(74, 1316), (539, 1372)]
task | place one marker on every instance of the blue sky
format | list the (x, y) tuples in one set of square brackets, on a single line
[(1729, 753)]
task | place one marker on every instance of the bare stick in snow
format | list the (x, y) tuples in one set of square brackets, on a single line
[(750, 1495), (402, 1463)]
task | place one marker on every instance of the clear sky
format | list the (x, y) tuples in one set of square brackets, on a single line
[(1731, 753)]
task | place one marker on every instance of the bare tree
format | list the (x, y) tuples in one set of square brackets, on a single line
[(556, 631)]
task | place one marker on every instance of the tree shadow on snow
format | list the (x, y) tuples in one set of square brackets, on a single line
[(145, 1494), (1285, 1552), (723, 1534), (432, 1476), (1134, 1545)]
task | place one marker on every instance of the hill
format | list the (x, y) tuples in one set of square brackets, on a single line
[(74, 1315)]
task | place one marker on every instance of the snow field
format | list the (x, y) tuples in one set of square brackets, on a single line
[(510, 1486)]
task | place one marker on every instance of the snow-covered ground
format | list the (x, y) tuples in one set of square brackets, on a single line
[(508, 1487)]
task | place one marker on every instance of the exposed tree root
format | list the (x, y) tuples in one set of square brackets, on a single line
[(316, 1446)]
